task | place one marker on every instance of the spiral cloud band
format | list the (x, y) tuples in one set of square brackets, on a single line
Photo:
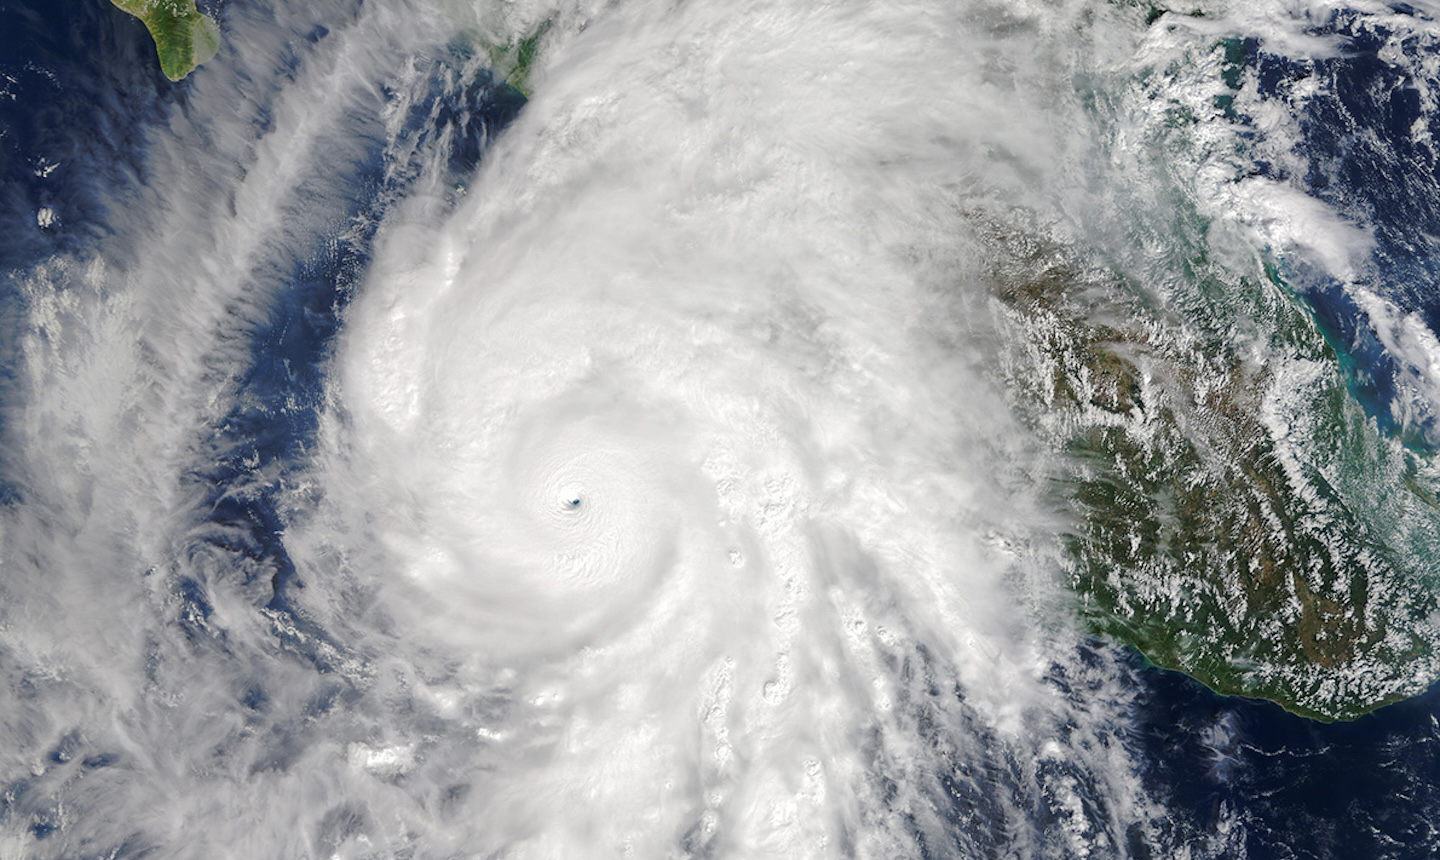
[(660, 495), (675, 447)]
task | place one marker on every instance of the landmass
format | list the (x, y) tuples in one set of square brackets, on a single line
[(1240, 519), (184, 37), (512, 61), (1236, 514)]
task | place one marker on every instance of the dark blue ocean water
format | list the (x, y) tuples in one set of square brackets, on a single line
[(83, 83), (1294, 787), (1371, 149), (64, 66)]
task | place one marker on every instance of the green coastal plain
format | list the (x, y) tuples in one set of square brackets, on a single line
[(184, 36)]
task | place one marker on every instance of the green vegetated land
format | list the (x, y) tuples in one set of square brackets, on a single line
[(512, 61), (184, 37), (1240, 519)]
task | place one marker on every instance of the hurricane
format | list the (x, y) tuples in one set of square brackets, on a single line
[(664, 429)]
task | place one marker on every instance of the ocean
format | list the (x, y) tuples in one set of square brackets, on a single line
[(753, 430)]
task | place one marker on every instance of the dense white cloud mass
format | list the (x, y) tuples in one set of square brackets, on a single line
[(663, 500), (682, 471)]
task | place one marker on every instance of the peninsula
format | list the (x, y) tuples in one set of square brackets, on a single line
[(184, 36)]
